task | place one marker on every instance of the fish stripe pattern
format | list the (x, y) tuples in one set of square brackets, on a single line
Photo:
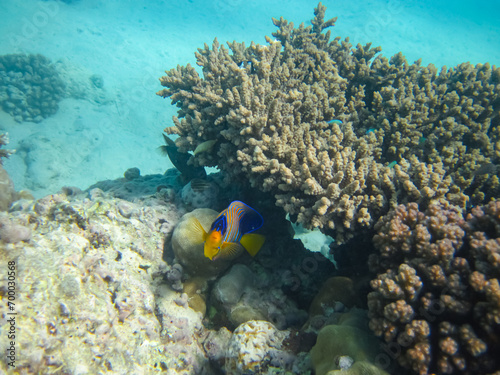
[(234, 213), (237, 220)]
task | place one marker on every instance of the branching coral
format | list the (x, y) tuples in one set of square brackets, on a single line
[(339, 134), (437, 295)]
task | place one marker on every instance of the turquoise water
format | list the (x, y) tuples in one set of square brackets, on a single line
[(129, 44), (106, 58)]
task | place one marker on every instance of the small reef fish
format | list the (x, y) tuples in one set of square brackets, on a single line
[(231, 232), (180, 161), (392, 164), (205, 146), (199, 185), (334, 121)]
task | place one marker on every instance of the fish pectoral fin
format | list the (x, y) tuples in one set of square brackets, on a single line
[(163, 150), (252, 242), (229, 250), (196, 228)]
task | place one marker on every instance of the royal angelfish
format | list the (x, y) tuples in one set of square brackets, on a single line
[(231, 232)]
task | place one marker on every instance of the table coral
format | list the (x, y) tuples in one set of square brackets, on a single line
[(436, 299), (30, 87), (339, 134)]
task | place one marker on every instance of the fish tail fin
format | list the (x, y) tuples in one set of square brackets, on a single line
[(197, 229), (252, 242)]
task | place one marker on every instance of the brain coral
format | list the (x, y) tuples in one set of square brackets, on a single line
[(339, 134), (30, 87), (436, 298)]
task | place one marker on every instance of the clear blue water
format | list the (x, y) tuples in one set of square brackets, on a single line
[(130, 44), (111, 54)]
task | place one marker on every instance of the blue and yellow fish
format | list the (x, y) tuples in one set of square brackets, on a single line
[(231, 232)]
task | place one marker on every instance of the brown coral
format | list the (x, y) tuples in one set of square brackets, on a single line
[(437, 292), (30, 87), (320, 124)]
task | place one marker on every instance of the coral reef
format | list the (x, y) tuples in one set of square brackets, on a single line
[(256, 347), (134, 186), (199, 193), (90, 296), (339, 134), (30, 87), (188, 248), (90, 271), (436, 299), (245, 294), (346, 348), (334, 291)]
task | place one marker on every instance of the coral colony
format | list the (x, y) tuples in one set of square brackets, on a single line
[(30, 87), (396, 162)]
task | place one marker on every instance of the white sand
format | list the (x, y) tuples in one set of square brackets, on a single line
[(130, 44)]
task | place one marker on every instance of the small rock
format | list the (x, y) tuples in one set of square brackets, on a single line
[(70, 287), (126, 209), (14, 233), (70, 191), (63, 309), (132, 174), (345, 362), (338, 306)]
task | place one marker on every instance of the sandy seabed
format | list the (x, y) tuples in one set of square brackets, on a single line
[(129, 44)]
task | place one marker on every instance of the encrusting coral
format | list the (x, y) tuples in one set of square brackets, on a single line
[(337, 341), (436, 299), (339, 134), (30, 87), (90, 295), (94, 294), (256, 346)]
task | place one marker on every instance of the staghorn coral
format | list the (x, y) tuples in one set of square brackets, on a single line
[(339, 134), (436, 298), (30, 87)]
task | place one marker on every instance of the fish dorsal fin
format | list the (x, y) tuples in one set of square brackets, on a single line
[(249, 219), (252, 242), (229, 250), (196, 228), (168, 141)]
